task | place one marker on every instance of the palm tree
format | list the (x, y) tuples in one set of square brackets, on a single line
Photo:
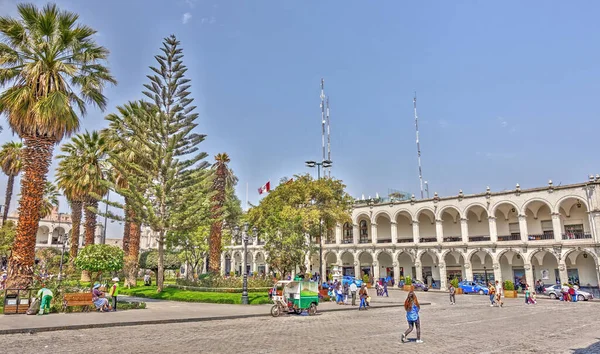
[(50, 69), (223, 178), (73, 190), (83, 159), (11, 164), (50, 200)]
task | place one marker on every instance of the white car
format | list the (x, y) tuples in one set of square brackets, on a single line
[(554, 292)]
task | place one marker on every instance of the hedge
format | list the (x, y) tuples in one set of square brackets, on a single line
[(218, 290)]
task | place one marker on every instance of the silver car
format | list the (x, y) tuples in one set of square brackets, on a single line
[(554, 292)]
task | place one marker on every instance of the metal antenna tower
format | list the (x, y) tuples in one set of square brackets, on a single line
[(418, 146), (328, 138), (323, 116)]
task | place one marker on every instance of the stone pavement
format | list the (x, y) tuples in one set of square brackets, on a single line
[(157, 311), (470, 326)]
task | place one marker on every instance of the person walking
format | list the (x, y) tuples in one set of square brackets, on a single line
[(385, 290), (346, 292), (452, 292), (499, 293), (363, 297), (492, 292), (353, 288), (412, 307)]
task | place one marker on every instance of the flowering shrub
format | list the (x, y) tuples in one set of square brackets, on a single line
[(100, 258)]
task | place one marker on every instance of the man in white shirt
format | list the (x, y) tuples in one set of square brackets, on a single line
[(353, 289), (499, 292)]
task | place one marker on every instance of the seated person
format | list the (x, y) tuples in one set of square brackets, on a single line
[(98, 299)]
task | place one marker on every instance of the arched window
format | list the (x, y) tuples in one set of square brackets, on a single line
[(348, 236), (364, 232)]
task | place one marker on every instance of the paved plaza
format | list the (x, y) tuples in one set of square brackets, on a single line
[(470, 326)]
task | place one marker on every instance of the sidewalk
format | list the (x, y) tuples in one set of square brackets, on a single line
[(157, 312)]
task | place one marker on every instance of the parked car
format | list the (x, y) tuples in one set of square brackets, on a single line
[(554, 292), (419, 285), (348, 279), (471, 287)]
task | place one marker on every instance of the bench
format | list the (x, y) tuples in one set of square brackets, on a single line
[(78, 299)]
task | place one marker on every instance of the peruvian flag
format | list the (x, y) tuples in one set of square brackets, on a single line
[(264, 189)]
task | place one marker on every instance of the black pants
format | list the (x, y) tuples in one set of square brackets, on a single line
[(412, 324), (452, 298), (114, 303), (354, 298)]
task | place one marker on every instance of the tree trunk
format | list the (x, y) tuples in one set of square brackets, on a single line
[(161, 262), (76, 208), (37, 156), (8, 197), (90, 230), (127, 227), (133, 254)]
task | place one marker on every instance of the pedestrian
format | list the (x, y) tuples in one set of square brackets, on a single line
[(346, 292), (412, 307), (147, 279), (385, 290), (571, 294), (527, 294), (45, 295), (363, 297), (114, 293), (492, 292), (452, 291), (353, 288), (340, 294), (499, 293)]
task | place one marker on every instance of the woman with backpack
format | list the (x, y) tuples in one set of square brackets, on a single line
[(412, 307)]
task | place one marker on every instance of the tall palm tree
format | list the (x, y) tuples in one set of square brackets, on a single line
[(222, 179), (73, 190), (83, 158), (11, 163), (50, 199), (50, 69)]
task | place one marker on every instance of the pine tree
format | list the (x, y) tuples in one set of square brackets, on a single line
[(166, 181)]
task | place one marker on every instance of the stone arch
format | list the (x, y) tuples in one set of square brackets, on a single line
[(468, 207), (430, 267), (423, 209), (360, 215), (327, 257), (443, 209), (431, 253), (385, 263), (455, 264), (557, 206), (379, 213), (400, 253), (506, 250), (588, 251), (384, 226), (536, 199), (400, 212), (546, 260), (480, 254), (510, 202)]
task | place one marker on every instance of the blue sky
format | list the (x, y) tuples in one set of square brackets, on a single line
[(507, 91)]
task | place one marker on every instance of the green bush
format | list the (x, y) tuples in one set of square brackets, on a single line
[(173, 294), (218, 290), (509, 285), (454, 282), (217, 281), (365, 279), (407, 280)]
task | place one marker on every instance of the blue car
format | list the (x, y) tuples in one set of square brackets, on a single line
[(471, 287), (347, 279)]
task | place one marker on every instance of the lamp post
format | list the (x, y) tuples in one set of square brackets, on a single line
[(245, 239), (324, 164)]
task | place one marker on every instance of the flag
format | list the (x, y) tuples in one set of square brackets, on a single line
[(264, 189)]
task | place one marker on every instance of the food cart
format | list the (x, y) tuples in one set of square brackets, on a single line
[(295, 296)]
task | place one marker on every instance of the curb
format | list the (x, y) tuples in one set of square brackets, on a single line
[(165, 321)]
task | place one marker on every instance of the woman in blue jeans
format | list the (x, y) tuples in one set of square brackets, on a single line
[(363, 294), (412, 307)]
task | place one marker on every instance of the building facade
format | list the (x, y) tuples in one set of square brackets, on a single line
[(551, 233)]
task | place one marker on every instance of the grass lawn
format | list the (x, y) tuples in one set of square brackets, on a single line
[(195, 296)]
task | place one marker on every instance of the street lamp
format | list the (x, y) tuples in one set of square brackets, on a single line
[(245, 239), (324, 164)]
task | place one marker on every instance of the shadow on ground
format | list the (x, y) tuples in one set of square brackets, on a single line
[(593, 348)]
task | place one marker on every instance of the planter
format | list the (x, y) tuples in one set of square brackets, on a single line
[(510, 294), (408, 288), (458, 291)]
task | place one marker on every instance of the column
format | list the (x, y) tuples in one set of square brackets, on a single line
[(464, 229), (415, 226), (439, 231), (562, 272), (396, 271), (419, 270), (222, 264), (468, 271), (375, 270), (443, 280), (357, 272), (266, 268), (523, 228), (557, 228), (498, 272), (529, 275), (254, 266), (355, 234), (493, 229), (50, 233), (338, 234), (374, 233), (394, 232)]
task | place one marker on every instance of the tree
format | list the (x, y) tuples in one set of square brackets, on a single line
[(7, 237), (11, 163), (150, 260), (222, 180), (72, 189), (49, 200), (98, 259), (50, 68), (193, 246), (82, 167), (290, 214), (168, 193)]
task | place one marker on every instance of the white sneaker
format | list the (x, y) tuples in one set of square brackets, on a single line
[(492, 305), (419, 341), (403, 339)]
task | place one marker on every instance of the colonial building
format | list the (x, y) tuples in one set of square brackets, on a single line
[(551, 233)]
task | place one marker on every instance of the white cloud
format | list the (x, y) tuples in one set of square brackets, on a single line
[(186, 17), (208, 20), (503, 122)]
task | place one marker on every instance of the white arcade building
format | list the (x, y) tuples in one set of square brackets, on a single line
[(550, 233)]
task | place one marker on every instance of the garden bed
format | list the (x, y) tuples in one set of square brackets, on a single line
[(218, 290), (173, 294)]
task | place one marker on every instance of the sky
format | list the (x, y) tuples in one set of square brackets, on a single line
[(507, 91)]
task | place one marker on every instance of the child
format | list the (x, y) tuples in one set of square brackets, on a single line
[(45, 295), (114, 292), (452, 291), (412, 307)]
